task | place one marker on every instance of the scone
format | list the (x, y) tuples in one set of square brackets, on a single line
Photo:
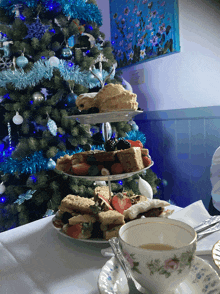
[(85, 101)]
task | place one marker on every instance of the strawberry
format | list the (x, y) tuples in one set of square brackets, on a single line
[(81, 169), (146, 161), (120, 202), (135, 143), (104, 202), (117, 168), (74, 231)]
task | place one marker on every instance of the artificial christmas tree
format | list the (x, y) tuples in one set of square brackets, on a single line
[(48, 57)]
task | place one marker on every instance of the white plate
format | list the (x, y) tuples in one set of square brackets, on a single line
[(202, 279), (92, 240), (111, 177), (113, 116)]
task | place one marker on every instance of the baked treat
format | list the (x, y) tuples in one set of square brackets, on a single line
[(65, 162), (85, 101), (109, 90), (104, 191), (138, 198), (105, 156), (124, 100), (111, 217), (142, 208), (111, 221), (113, 232), (131, 159), (85, 218), (77, 204)]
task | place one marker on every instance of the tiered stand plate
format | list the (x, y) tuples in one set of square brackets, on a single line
[(114, 116)]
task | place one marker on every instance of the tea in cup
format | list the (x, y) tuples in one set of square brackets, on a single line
[(160, 252)]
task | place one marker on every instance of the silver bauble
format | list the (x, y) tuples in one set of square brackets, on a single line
[(37, 97)]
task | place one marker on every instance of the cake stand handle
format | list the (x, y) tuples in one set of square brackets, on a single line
[(109, 186)]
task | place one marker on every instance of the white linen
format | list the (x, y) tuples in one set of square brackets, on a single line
[(193, 215), (36, 259)]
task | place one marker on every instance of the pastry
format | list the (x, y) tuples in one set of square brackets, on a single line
[(85, 101), (144, 207), (76, 203), (109, 90), (131, 159)]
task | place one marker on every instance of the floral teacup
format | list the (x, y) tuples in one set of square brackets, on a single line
[(159, 271)]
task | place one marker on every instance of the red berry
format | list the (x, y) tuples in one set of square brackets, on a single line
[(135, 143), (74, 231), (146, 161), (117, 168), (121, 202), (81, 169)]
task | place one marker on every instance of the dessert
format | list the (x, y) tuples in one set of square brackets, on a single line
[(85, 101), (98, 162), (112, 97), (131, 159), (103, 215)]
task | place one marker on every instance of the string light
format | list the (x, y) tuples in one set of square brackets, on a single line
[(9, 135)]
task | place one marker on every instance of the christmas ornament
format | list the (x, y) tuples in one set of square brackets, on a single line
[(37, 97), (52, 126), (16, 10), (134, 126), (26, 196), (2, 188), (99, 183), (54, 61), (51, 164), (49, 212), (145, 188), (36, 29), (5, 63), (126, 85), (22, 61), (70, 100), (106, 131), (91, 39), (66, 52), (17, 119), (4, 45), (9, 135), (71, 41)]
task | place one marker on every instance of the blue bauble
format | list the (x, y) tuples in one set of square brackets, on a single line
[(21, 61), (66, 52), (70, 100), (51, 164)]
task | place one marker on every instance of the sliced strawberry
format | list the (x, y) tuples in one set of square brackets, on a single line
[(105, 201), (146, 161), (117, 168), (120, 202), (74, 231), (81, 169), (135, 143)]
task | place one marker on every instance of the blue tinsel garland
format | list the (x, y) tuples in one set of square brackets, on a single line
[(37, 162), (79, 9), (42, 69), (33, 163)]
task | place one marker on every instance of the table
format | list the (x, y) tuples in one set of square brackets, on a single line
[(36, 259)]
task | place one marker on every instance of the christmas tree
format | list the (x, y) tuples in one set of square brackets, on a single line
[(50, 53)]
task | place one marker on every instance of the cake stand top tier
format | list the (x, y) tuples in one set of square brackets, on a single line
[(113, 116)]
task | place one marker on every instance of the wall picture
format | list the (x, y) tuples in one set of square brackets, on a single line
[(142, 30)]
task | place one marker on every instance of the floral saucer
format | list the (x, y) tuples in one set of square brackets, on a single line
[(201, 279)]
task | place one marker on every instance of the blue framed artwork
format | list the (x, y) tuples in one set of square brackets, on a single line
[(142, 30)]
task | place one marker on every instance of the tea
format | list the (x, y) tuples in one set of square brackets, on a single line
[(157, 246)]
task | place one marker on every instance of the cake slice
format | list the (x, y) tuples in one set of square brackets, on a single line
[(131, 159), (73, 203)]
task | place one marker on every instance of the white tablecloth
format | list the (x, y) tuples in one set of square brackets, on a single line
[(36, 259)]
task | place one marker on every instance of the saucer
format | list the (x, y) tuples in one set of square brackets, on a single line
[(201, 279)]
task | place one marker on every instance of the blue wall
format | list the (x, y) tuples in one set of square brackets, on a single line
[(181, 143)]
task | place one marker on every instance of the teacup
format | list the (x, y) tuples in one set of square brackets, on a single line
[(160, 269)]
